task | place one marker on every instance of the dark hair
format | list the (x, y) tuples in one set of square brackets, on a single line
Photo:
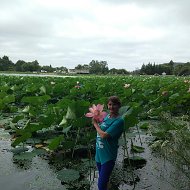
[(115, 100)]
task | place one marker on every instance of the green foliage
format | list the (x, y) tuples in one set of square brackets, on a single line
[(144, 126), (179, 69), (6, 64), (70, 113), (19, 150), (24, 156), (17, 118), (173, 140), (55, 142), (97, 67), (51, 111), (21, 139), (36, 100), (59, 109), (8, 99)]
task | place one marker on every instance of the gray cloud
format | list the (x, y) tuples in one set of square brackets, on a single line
[(126, 34)]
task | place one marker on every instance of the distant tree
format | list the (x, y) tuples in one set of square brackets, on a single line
[(82, 67), (86, 66), (61, 69), (19, 65), (113, 71), (27, 66), (47, 68), (32, 66), (98, 67), (35, 65), (6, 64), (171, 63), (167, 69), (78, 66), (5, 58), (143, 69), (122, 71), (137, 71), (151, 69), (182, 69), (118, 71)]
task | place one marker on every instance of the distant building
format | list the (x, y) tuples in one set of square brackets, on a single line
[(82, 71), (78, 71), (71, 71), (163, 74), (60, 71)]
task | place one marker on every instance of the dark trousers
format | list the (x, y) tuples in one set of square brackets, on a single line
[(104, 173)]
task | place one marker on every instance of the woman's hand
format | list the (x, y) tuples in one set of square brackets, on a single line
[(94, 122), (99, 130)]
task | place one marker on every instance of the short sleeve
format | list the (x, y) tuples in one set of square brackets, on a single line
[(116, 129)]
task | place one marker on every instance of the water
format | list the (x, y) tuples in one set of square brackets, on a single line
[(34, 75), (157, 174), (38, 174), (33, 175)]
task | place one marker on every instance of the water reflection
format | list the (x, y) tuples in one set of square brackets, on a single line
[(38, 173)]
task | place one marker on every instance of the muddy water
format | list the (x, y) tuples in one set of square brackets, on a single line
[(157, 174), (37, 174), (33, 175)]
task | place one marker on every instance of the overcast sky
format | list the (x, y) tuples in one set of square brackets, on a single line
[(125, 33)]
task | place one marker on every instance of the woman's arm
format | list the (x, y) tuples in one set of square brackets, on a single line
[(102, 134)]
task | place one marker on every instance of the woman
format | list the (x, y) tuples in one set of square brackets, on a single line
[(108, 133)]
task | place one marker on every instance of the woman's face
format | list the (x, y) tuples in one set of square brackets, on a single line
[(113, 108)]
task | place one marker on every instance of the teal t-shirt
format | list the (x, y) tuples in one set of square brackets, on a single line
[(106, 149)]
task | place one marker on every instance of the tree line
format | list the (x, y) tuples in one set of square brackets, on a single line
[(97, 67), (171, 68), (94, 67)]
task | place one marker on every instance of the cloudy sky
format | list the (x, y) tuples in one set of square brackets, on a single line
[(125, 33)]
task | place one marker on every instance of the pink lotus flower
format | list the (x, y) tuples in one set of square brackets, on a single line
[(96, 112)]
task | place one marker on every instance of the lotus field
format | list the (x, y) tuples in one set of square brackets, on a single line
[(48, 113)]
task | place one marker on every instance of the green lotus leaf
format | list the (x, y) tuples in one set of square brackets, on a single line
[(17, 118), (20, 139), (9, 99), (24, 156), (70, 113), (36, 100), (64, 121), (18, 150), (26, 109), (55, 142), (43, 90), (68, 175)]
